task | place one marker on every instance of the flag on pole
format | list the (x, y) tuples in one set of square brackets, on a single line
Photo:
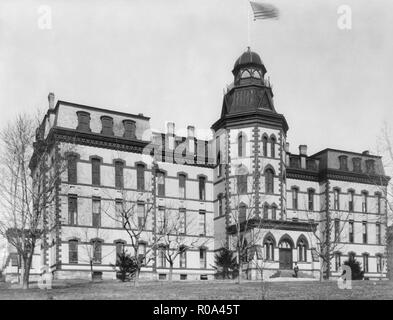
[(264, 10)]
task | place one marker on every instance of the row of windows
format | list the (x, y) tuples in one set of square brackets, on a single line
[(140, 172), (351, 231), (162, 253), (336, 200), (242, 180), (356, 164), (365, 258), (122, 215), (129, 126), (242, 141)]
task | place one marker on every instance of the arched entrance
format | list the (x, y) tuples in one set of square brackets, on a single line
[(285, 253)]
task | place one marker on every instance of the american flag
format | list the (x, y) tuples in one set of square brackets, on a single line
[(264, 10)]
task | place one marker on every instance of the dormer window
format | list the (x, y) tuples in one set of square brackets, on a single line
[(83, 121), (129, 129), (294, 162), (357, 165), (107, 125), (311, 164), (370, 167), (343, 162)]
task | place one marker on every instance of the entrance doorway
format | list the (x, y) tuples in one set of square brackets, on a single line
[(285, 252)]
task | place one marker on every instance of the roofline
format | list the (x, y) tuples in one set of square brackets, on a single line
[(73, 104), (345, 151)]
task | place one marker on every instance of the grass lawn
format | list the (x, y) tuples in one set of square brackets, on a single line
[(203, 290)]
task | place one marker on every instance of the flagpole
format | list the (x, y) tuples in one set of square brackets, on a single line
[(248, 24)]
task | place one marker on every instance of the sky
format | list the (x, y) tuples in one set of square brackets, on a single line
[(170, 60)]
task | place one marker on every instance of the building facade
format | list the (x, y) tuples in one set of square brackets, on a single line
[(242, 183)]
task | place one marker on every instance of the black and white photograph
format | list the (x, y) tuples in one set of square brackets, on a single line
[(211, 150)]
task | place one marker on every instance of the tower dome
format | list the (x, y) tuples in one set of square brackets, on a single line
[(248, 58)]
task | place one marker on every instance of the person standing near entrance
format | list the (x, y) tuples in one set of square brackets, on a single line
[(296, 270)]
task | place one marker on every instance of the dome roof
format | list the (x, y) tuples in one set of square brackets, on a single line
[(248, 57)]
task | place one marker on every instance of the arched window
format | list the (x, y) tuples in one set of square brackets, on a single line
[(268, 246), (302, 249), (274, 212), (219, 166), (273, 146), (265, 211), (246, 74), (242, 212), (256, 74), (269, 181), (241, 145), (264, 146)]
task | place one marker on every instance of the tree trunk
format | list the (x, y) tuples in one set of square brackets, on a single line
[(26, 271), (170, 271), (136, 277), (240, 266), (91, 269)]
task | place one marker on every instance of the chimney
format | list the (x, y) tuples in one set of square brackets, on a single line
[(366, 152), (190, 137), (303, 150), (170, 128), (191, 132), (51, 100)]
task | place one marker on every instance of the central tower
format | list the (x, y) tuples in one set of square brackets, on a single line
[(250, 137)]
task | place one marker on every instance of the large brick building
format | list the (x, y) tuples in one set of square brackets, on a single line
[(296, 200)]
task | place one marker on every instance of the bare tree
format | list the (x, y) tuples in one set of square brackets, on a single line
[(30, 170), (245, 231), (172, 227)]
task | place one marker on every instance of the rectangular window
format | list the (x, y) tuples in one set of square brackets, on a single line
[(72, 169), (364, 232), (83, 121), (202, 223), (119, 214), (141, 216), (182, 221), (96, 212), (119, 250), (202, 188), (220, 206), (14, 259), (140, 177), (365, 263), (378, 233), (295, 198), (183, 258), (337, 230), (202, 258), (73, 251), (119, 177), (161, 257), (337, 258), (351, 231), (379, 263), (142, 252), (97, 252), (161, 220), (182, 186), (242, 184), (336, 194), (95, 171), (311, 200), (364, 201), (351, 201), (72, 210), (379, 203), (160, 184)]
